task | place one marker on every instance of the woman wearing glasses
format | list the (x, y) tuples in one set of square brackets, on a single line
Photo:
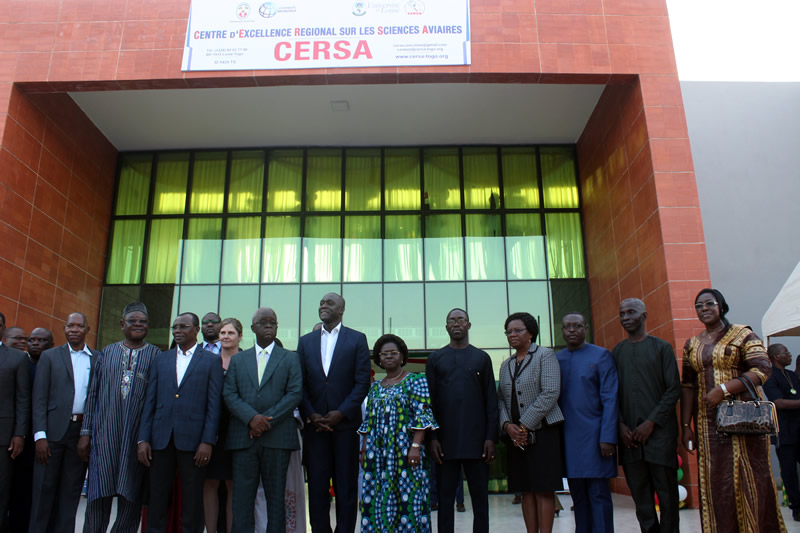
[(530, 419), (395, 487), (737, 492)]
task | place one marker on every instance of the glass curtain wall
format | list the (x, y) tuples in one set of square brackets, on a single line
[(405, 234)]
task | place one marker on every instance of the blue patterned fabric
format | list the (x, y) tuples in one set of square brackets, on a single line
[(394, 495)]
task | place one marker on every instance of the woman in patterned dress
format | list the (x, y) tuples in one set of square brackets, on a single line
[(395, 487), (737, 492)]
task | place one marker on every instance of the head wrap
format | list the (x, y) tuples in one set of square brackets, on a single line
[(134, 307)]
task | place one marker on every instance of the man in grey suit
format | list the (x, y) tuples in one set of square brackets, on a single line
[(15, 412), (262, 388), (59, 396)]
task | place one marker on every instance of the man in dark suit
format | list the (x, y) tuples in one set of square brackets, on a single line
[(262, 387), (15, 413), (336, 369), (464, 401), (210, 326), (59, 396), (179, 424)]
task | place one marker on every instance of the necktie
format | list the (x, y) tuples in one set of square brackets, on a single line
[(262, 364), (211, 347)]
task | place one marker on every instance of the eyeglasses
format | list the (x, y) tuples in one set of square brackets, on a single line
[(706, 305), (210, 322), (137, 322), (460, 321), (572, 326), (393, 353), (266, 323), (514, 331), (18, 338)]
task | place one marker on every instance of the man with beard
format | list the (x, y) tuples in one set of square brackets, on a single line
[(210, 326), (464, 401), (111, 425), (15, 409), (59, 398), (589, 404), (649, 388)]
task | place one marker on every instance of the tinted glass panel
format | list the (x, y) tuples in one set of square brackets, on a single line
[(402, 249), (202, 250), (362, 248), (401, 168), (134, 184), (444, 248), (285, 180), (324, 181), (488, 309), (163, 251), (440, 299), (239, 301), (525, 246), (364, 306), (127, 243), (247, 182), (282, 250), (404, 313), (558, 177), (241, 255), (363, 180), (520, 181), (322, 250), (442, 182), (285, 301), (484, 244), (172, 173), (481, 179), (533, 297), (208, 182), (564, 245)]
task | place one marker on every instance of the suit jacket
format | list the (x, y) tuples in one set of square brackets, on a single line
[(54, 391), (189, 413), (15, 394), (347, 382), (279, 392), (538, 386)]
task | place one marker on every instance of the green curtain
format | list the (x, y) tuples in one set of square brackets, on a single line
[(444, 248), (525, 257), (484, 247), (362, 248), (247, 182), (285, 180), (201, 251), (172, 173), (481, 178), (281, 250), (241, 252), (324, 180), (163, 250), (127, 243), (520, 182), (322, 245), (401, 170), (402, 249), (134, 184), (363, 180), (442, 184), (558, 178), (208, 182), (564, 245)]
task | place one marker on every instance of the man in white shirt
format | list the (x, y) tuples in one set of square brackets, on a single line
[(59, 395), (179, 424)]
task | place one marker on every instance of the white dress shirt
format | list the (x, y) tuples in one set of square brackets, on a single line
[(182, 361), (328, 345), (81, 371)]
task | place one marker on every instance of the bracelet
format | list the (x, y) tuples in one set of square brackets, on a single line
[(724, 390), (416, 445), (686, 425)]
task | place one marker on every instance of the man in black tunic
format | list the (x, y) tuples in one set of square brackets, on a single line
[(464, 401), (649, 388)]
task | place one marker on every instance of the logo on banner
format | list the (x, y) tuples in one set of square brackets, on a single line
[(359, 8), (268, 10), (415, 7), (243, 10)]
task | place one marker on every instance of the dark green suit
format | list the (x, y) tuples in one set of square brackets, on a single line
[(279, 392)]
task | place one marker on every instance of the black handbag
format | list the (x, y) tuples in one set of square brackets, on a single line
[(750, 417)]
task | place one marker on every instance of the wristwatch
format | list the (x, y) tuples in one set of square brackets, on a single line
[(416, 445), (725, 391)]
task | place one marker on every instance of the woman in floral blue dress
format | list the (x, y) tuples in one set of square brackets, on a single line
[(395, 487)]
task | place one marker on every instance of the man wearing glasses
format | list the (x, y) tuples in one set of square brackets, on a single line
[(589, 404), (111, 425), (464, 401), (210, 326), (179, 424)]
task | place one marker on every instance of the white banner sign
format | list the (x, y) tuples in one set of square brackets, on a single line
[(297, 34)]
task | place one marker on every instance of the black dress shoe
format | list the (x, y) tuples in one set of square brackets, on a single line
[(460, 508), (796, 515)]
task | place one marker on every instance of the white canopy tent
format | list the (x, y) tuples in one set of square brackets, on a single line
[(782, 319)]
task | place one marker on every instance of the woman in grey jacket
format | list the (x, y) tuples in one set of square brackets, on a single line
[(530, 420)]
